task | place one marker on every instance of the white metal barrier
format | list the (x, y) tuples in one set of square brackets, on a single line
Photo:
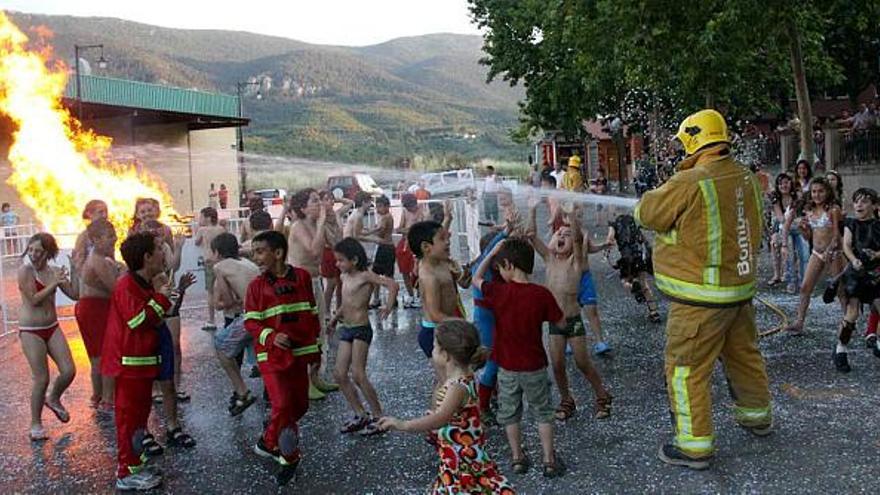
[(462, 244)]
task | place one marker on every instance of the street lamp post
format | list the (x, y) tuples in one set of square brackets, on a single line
[(102, 63), (242, 170)]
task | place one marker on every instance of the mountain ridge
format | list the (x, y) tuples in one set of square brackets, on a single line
[(376, 103)]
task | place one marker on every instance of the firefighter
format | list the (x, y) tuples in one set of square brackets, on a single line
[(138, 305), (281, 315), (573, 180), (708, 222)]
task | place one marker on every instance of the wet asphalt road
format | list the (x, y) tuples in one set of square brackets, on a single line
[(826, 423)]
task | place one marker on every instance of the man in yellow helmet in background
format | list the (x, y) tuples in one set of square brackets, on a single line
[(573, 180), (708, 222)]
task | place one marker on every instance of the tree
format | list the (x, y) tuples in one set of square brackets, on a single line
[(578, 59)]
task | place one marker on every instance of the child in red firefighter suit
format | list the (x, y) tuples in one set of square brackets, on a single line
[(282, 317), (131, 353)]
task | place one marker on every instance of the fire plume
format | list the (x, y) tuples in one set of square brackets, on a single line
[(57, 166)]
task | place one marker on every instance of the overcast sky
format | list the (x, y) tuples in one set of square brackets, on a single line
[(338, 22)]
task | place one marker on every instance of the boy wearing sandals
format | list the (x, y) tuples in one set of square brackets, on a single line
[(563, 258), (356, 334), (232, 276), (520, 310)]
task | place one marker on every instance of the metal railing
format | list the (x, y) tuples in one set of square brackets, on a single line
[(14, 239), (859, 147)]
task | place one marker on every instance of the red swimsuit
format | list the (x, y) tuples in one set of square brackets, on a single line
[(43, 332)]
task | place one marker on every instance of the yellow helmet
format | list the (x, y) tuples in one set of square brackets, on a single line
[(574, 161), (700, 129)]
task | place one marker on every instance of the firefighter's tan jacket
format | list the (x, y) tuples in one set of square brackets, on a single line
[(708, 220)]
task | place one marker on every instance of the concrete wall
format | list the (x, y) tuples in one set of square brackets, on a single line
[(214, 159)]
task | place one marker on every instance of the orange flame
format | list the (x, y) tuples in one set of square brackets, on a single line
[(57, 166)]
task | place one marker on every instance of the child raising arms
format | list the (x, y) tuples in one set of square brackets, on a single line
[(465, 467), (355, 333)]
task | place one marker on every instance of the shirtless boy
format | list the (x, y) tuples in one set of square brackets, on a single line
[(232, 276), (306, 245), (98, 276), (208, 230), (354, 226), (333, 229), (39, 332), (564, 261), (438, 276), (383, 261), (406, 261), (355, 333)]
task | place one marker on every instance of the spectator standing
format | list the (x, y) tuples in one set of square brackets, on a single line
[(9, 220), (223, 196), (490, 194), (212, 197), (557, 175)]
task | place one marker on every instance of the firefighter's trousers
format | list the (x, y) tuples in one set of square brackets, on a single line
[(132, 410), (696, 337), (289, 394)]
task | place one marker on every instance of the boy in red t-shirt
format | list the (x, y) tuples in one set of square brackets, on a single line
[(520, 309)]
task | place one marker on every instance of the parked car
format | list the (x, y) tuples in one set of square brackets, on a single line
[(449, 183), (347, 186), (273, 200)]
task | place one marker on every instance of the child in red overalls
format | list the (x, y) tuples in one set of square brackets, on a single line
[(131, 353), (282, 317)]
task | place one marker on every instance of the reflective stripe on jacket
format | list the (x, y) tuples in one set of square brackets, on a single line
[(708, 221), (282, 305), (131, 341)]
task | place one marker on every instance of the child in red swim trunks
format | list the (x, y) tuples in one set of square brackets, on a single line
[(99, 274)]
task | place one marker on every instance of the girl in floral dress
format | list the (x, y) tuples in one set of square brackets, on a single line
[(465, 466)]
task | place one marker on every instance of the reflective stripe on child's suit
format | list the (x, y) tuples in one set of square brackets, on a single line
[(284, 305)]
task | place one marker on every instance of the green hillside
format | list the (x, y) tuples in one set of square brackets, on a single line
[(423, 95)]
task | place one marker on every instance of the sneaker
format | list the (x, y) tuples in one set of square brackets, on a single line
[(841, 362), (326, 387), (871, 341), (261, 450), (286, 473), (601, 348), (255, 371), (144, 480), (670, 454), (209, 327), (356, 423), (315, 394)]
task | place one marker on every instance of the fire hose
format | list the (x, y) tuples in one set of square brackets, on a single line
[(776, 309)]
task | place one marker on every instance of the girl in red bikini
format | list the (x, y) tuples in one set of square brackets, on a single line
[(38, 329)]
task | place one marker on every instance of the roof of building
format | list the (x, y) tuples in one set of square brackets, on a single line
[(112, 92)]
